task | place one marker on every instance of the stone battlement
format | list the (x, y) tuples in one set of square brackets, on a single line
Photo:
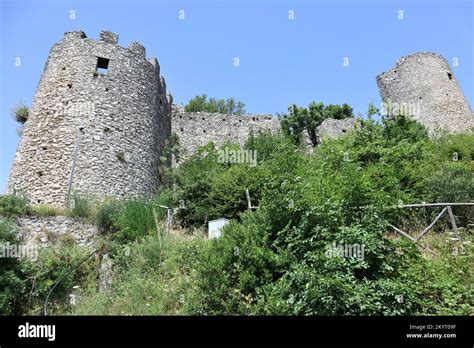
[(110, 38)]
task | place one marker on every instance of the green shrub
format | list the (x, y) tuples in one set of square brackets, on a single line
[(82, 207), (13, 205), (12, 283), (234, 267), (135, 220), (106, 214), (193, 179), (20, 112)]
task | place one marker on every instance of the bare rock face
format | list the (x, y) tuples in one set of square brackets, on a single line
[(98, 123), (423, 86), (333, 128)]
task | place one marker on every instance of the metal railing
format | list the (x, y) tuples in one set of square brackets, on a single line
[(447, 209)]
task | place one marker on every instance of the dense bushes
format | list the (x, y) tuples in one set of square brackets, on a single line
[(152, 277), (24, 283), (276, 260), (207, 188), (57, 263), (317, 245), (11, 280), (13, 205), (135, 220)]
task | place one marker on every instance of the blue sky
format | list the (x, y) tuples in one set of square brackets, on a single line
[(282, 60)]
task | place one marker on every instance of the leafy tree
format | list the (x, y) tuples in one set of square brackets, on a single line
[(222, 106), (299, 119)]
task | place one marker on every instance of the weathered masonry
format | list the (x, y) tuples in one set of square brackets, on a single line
[(101, 118), (422, 85), (98, 123), (196, 129)]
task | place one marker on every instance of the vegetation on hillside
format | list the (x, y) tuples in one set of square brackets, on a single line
[(279, 258)]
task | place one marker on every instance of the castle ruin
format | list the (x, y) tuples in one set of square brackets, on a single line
[(423, 86), (101, 118), (98, 123)]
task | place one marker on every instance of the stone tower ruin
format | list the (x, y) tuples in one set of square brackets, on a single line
[(423, 86), (98, 123)]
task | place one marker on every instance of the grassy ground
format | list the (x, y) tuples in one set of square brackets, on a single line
[(153, 282)]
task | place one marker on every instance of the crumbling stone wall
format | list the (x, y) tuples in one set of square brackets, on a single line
[(424, 86), (45, 231), (98, 105), (333, 128), (329, 128), (195, 129)]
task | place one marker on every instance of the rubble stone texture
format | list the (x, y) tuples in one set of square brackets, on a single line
[(333, 128), (101, 118), (45, 231), (424, 84), (104, 105), (196, 129), (305, 142)]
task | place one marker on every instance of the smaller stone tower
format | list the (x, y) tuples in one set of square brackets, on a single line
[(424, 86)]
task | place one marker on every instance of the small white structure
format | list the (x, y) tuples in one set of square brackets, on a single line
[(215, 226)]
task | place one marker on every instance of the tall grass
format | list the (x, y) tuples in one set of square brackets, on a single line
[(151, 278), (82, 207), (135, 220)]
